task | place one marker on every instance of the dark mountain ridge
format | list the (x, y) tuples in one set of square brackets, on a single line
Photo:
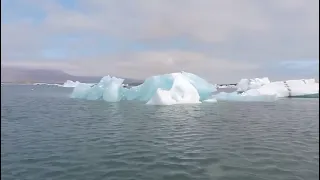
[(29, 76)]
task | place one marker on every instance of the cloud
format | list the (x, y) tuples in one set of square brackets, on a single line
[(208, 20), (224, 40), (297, 65), (292, 69), (144, 64)]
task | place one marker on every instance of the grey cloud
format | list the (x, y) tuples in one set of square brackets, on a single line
[(145, 64), (206, 20), (237, 36)]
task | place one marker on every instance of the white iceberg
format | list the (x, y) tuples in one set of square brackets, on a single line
[(108, 88), (236, 96), (38, 84), (246, 84), (290, 88), (231, 86), (186, 88), (70, 83), (67, 84), (167, 89), (262, 90), (181, 92)]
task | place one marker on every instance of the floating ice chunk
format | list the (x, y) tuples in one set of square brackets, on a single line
[(235, 96), (67, 84), (164, 89), (246, 84), (48, 84), (149, 87), (231, 86), (112, 89), (290, 88), (270, 91), (94, 93), (203, 87), (108, 89), (70, 83), (161, 97), (181, 92), (81, 91)]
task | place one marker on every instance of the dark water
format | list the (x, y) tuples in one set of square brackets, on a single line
[(46, 135)]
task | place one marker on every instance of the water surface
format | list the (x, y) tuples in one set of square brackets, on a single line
[(47, 135)]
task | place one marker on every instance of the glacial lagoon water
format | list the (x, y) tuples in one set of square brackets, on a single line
[(47, 135)]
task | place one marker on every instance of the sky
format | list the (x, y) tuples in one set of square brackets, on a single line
[(220, 40)]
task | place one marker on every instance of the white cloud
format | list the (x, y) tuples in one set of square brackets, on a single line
[(236, 36), (206, 20)]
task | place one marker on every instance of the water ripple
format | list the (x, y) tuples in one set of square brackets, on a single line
[(62, 138)]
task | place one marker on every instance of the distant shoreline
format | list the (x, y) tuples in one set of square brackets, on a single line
[(131, 84), (31, 82)]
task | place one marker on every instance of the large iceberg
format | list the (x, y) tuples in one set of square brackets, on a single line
[(264, 90), (167, 89), (243, 86), (186, 88), (290, 88)]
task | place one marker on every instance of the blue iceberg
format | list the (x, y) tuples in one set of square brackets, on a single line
[(167, 89), (108, 89)]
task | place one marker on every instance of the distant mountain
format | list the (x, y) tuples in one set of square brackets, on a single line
[(24, 75)]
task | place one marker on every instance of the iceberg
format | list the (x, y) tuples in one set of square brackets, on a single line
[(246, 84), (108, 89), (236, 96), (264, 90), (70, 83), (167, 89), (203, 87), (38, 84), (82, 91), (289, 88), (230, 86), (111, 88), (181, 92), (67, 84), (187, 88)]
